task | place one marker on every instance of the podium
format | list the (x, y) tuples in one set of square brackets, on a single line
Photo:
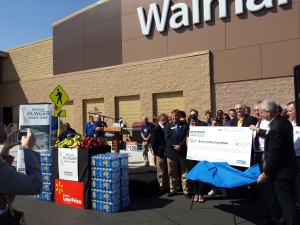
[(116, 131)]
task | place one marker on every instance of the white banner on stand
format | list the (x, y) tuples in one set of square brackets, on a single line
[(220, 144), (37, 117), (68, 164)]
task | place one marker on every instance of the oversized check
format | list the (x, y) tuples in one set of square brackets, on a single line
[(220, 144)]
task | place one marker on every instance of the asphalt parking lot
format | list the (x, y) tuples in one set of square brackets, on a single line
[(145, 210)]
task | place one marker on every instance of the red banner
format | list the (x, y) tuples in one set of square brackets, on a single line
[(69, 193)]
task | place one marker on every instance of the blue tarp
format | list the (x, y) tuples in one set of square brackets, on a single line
[(221, 174)]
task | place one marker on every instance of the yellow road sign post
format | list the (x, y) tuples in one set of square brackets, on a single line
[(59, 96)]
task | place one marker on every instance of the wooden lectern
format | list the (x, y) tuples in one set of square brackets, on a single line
[(116, 131)]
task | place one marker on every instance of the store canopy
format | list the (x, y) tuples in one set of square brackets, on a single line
[(221, 174)]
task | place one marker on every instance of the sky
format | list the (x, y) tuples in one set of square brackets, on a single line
[(26, 21)]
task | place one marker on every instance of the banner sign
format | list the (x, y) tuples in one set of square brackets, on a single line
[(220, 144), (68, 163), (131, 146), (69, 193), (37, 117)]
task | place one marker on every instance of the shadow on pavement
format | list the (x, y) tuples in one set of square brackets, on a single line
[(146, 203)]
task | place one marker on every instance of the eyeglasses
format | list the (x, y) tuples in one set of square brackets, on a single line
[(238, 108)]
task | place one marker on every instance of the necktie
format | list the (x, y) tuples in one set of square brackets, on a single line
[(256, 139)]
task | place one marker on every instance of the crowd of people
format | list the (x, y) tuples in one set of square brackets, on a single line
[(275, 148)]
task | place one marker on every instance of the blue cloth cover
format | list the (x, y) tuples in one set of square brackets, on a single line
[(221, 174)]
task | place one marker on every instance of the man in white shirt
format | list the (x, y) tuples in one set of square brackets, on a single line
[(291, 112), (258, 142)]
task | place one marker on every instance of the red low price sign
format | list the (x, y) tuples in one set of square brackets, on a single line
[(69, 193)]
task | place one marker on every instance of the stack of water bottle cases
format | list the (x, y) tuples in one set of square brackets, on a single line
[(110, 182), (46, 173)]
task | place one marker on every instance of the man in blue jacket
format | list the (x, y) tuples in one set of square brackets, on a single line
[(176, 151)]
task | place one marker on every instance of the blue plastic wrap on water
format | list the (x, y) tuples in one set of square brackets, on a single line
[(46, 186), (109, 196), (45, 196), (107, 160), (125, 176), (124, 171), (46, 177), (93, 161), (124, 181), (124, 192), (95, 204), (123, 159), (125, 202), (95, 193), (103, 206), (108, 173), (109, 207), (104, 195), (46, 167), (94, 182), (109, 184), (45, 157), (106, 184)]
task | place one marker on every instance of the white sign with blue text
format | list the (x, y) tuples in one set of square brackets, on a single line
[(220, 144)]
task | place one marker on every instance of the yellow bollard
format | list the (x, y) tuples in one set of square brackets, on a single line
[(58, 132)]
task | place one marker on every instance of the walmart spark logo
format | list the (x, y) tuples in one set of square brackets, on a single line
[(59, 188)]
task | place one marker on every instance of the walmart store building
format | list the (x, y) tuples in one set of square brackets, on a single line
[(135, 57)]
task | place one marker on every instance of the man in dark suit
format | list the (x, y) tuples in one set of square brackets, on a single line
[(158, 144), (176, 150), (280, 167), (242, 119), (199, 122)]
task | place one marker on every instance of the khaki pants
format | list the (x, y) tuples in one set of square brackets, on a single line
[(173, 174), (162, 172)]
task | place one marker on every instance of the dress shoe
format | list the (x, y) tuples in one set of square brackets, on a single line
[(171, 194), (188, 195)]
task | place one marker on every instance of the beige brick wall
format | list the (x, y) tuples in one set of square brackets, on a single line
[(187, 74), (129, 108), (92, 105), (281, 90), (166, 102), (32, 61)]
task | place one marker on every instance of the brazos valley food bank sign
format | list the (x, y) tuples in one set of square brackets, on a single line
[(180, 12)]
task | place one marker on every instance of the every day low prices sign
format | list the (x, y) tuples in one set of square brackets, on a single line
[(69, 193), (220, 144), (37, 117)]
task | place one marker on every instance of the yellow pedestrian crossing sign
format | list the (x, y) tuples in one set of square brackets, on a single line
[(59, 96), (60, 113)]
